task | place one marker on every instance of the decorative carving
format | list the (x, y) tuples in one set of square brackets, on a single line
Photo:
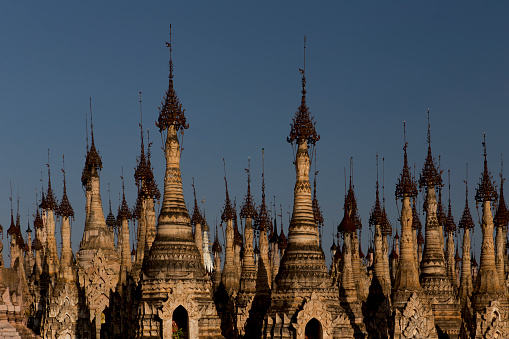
[(417, 319), (313, 308), (493, 322)]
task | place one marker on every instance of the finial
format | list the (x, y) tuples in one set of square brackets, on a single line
[(91, 122), (404, 135), (304, 70), (383, 181), (168, 44), (86, 129), (429, 131), (109, 195), (263, 174), (449, 179)]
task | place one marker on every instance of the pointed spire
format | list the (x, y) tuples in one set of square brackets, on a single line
[(430, 176), (216, 246), (502, 215), (303, 126), (406, 185), (450, 225), (375, 217), (351, 201), (93, 162), (237, 237), (466, 219), (111, 222), (263, 221), (50, 203), (317, 213), (171, 111), (65, 208), (196, 218), (248, 209), (485, 191), (228, 212), (416, 221), (123, 210), (384, 222)]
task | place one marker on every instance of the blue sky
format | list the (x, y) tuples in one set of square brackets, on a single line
[(369, 67)]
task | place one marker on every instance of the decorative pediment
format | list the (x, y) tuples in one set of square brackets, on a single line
[(417, 319), (313, 308), (493, 322)]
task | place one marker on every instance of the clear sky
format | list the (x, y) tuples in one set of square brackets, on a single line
[(370, 66)]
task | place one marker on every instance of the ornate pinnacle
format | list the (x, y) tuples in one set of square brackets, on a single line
[(485, 191), (430, 176), (303, 126), (263, 220), (347, 224), (317, 213), (248, 209), (351, 202), (50, 203), (228, 212), (171, 112), (502, 215), (123, 210), (416, 222), (93, 162), (450, 225), (406, 186), (65, 208), (375, 217), (196, 218), (237, 237), (466, 219), (216, 246)]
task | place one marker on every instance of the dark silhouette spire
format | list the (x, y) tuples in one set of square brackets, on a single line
[(196, 217), (375, 217), (93, 162), (406, 185), (123, 209), (65, 208), (263, 221), (450, 225), (228, 212), (466, 219), (430, 176), (248, 209), (485, 191), (502, 215), (111, 222)]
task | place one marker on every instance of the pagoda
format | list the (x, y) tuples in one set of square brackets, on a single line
[(174, 284), (304, 299)]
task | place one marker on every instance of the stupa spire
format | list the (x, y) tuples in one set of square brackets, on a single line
[(488, 287), (466, 223)]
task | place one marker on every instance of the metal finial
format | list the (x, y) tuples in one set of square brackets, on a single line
[(429, 131), (91, 121), (168, 44), (86, 129), (304, 54), (404, 135), (484, 145)]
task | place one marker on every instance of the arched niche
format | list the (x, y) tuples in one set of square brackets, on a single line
[(180, 322), (313, 329)]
